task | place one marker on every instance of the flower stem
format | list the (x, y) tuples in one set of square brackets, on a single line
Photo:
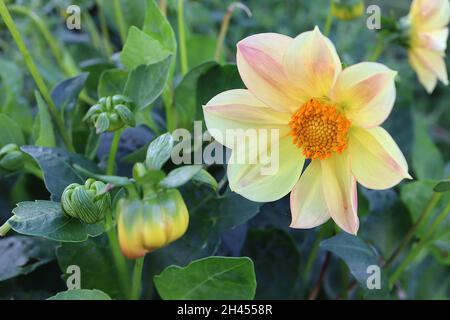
[(418, 248), (119, 259), (9, 22), (4, 229), (182, 38), (137, 276), (423, 216), (315, 292), (120, 20), (104, 31), (112, 152), (225, 25), (328, 22), (379, 48)]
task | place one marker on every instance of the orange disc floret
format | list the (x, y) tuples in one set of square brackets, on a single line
[(319, 129)]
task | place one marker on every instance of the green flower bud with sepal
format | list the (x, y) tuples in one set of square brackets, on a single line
[(111, 113), (89, 202), (347, 9), (11, 158)]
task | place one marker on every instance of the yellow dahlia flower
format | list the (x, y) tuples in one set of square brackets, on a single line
[(428, 20), (329, 115)]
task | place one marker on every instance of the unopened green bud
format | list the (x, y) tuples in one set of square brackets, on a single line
[(111, 113), (88, 202), (11, 158), (139, 170)]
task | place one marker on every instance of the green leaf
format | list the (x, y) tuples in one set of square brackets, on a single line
[(267, 248), (427, 160), (204, 177), (157, 26), (358, 256), (66, 92), (94, 257), (185, 97), (112, 82), (10, 132), (180, 176), (57, 165), (146, 82), (442, 186), (213, 278), (159, 151), (81, 294), (46, 219), (114, 180), (46, 135), (141, 49), (22, 255)]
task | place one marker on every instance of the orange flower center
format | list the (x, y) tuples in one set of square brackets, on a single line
[(319, 129)]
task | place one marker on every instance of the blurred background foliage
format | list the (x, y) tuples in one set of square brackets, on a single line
[(287, 261)]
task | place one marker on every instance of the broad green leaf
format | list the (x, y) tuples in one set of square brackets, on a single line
[(57, 165), (359, 258), (22, 255), (442, 186), (277, 263), (12, 84), (213, 278), (159, 151), (112, 82), (186, 98), (46, 219), (46, 135), (427, 160), (98, 270), (65, 93), (146, 82), (180, 176), (80, 294), (141, 49), (157, 26), (10, 131)]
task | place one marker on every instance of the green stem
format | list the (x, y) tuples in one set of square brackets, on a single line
[(412, 231), (223, 32), (379, 48), (9, 22), (182, 38), (4, 229), (137, 278), (104, 30), (328, 22), (119, 259), (112, 153), (163, 7), (120, 20), (418, 248)]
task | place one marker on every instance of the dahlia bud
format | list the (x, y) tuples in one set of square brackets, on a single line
[(145, 225), (347, 9), (111, 113), (88, 202), (11, 158)]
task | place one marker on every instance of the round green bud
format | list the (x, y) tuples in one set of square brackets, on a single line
[(111, 113), (11, 158), (88, 202)]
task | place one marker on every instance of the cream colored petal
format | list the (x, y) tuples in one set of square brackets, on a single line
[(275, 181), (339, 188), (308, 205), (259, 61), (312, 63), (429, 67), (430, 14), (366, 92), (376, 160), (239, 110), (426, 77), (435, 40)]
